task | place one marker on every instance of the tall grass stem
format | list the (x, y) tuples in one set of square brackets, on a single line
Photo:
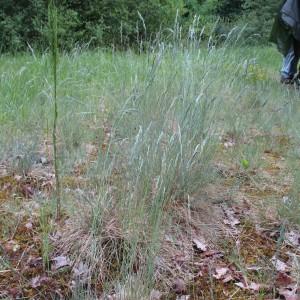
[(54, 63)]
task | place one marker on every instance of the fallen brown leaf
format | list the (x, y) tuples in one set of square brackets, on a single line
[(252, 286), (81, 272), (289, 293), (279, 265), (240, 284), (232, 222), (33, 262), (27, 191), (155, 295), (29, 226), (293, 238), (283, 280), (39, 281), (14, 293), (179, 286), (220, 273), (200, 244), (18, 177), (228, 278), (60, 262), (231, 219), (254, 268), (4, 294)]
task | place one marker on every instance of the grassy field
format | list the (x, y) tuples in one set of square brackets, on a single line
[(179, 170)]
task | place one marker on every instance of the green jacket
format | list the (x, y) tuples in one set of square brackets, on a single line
[(286, 28)]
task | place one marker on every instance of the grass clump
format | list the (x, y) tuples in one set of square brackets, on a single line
[(141, 141)]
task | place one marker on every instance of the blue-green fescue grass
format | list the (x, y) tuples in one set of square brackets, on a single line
[(161, 116)]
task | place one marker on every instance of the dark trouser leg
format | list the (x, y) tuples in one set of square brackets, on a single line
[(290, 63), (289, 66)]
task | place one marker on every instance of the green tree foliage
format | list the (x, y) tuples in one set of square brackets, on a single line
[(97, 22), (259, 16), (21, 22), (229, 9), (122, 23)]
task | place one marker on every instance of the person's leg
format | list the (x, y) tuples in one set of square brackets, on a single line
[(297, 54), (289, 66)]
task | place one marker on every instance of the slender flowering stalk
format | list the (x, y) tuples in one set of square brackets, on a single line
[(52, 13)]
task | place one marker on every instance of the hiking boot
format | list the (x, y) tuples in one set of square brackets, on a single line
[(297, 80), (287, 80)]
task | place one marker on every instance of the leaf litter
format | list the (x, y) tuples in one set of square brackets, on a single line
[(187, 260)]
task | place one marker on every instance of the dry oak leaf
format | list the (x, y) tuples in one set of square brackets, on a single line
[(253, 268), (293, 237), (228, 278), (283, 280), (279, 265), (155, 295), (60, 262), (179, 286), (252, 286), (231, 220), (200, 244), (39, 281), (220, 273), (289, 293)]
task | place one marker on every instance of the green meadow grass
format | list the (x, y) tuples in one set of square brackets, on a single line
[(89, 81), (166, 111), (238, 89)]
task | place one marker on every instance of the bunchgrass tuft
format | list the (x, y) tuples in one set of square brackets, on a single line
[(142, 141)]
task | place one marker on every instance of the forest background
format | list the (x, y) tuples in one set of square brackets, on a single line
[(125, 23)]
